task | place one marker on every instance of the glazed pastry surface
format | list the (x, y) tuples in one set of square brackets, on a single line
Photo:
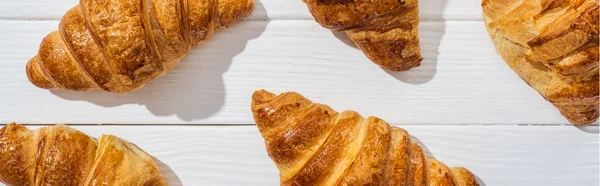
[(385, 30), (312, 144), (62, 156), (553, 46), (120, 45)]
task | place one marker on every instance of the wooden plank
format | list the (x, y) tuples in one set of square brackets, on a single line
[(498, 155), (265, 9), (461, 80)]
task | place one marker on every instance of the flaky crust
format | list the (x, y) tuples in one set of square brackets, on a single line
[(312, 144), (553, 46), (120, 45), (59, 155), (385, 30)]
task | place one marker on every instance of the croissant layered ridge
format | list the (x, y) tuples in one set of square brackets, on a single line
[(312, 144), (553, 46), (386, 31), (120, 45), (59, 155)]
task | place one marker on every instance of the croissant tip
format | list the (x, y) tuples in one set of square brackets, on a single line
[(582, 112), (403, 64), (262, 96), (36, 76), (12, 124), (582, 121), (11, 128)]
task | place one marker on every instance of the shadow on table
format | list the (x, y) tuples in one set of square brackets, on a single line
[(168, 173), (428, 154), (591, 129), (195, 88)]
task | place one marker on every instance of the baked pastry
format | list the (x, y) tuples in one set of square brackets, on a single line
[(59, 155), (553, 46), (312, 144), (385, 30), (120, 45)]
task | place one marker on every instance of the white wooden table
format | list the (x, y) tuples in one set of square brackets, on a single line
[(464, 105)]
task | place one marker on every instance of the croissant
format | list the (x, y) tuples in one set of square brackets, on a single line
[(59, 155), (120, 45), (312, 144), (553, 46), (385, 30)]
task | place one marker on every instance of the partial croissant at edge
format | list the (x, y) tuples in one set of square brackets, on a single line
[(312, 144), (120, 45), (60, 155), (386, 31), (553, 46)]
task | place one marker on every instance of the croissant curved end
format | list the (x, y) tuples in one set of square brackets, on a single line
[(36, 75), (11, 127), (463, 176), (403, 64), (262, 96), (579, 112), (587, 118)]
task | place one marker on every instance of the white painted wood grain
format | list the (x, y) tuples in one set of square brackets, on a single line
[(435, 10), (497, 155), (280, 48), (461, 80)]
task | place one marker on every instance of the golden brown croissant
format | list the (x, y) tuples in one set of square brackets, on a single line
[(62, 156), (312, 144), (120, 45), (553, 46), (385, 30)]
